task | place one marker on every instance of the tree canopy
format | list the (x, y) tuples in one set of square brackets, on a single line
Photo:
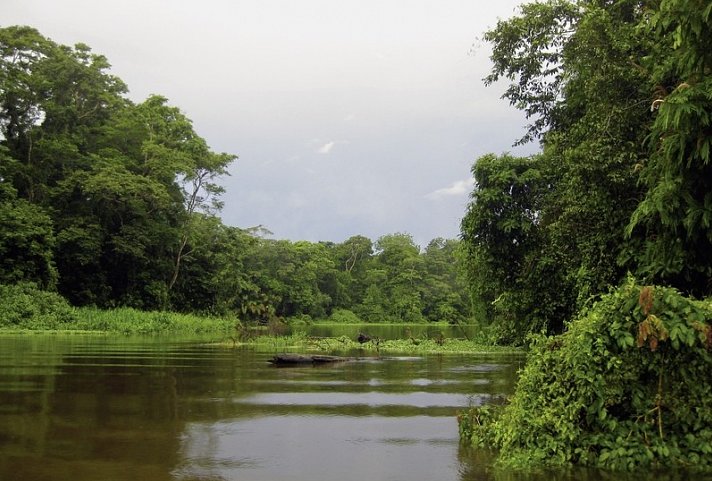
[(619, 97)]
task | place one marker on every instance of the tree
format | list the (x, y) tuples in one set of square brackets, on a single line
[(444, 289), (170, 148), (399, 258), (123, 183), (352, 259), (26, 241), (54, 100), (213, 277), (288, 274), (673, 223), (115, 231), (575, 69), (374, 305), (528, 50), (502, 235)]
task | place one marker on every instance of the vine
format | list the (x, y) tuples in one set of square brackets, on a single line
[(628, 385)]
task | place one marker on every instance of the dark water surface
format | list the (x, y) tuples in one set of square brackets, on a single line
[(109, 408)]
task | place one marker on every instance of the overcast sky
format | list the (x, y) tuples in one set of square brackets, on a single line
[(348, 116)]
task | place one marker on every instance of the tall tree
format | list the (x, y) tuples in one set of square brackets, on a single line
[(444, 290), (504, 239), (54, 101), (122, 183), (170, 148), (575, 69)]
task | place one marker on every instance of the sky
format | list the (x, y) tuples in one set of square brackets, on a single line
[(349, 117)]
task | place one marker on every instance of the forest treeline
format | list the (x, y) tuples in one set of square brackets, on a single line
[(114, 203)]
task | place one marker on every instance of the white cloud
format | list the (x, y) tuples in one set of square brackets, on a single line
[(326, 148), (329, 146), (457, 188)]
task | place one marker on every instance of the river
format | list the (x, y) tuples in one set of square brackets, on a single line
[(84, 408)]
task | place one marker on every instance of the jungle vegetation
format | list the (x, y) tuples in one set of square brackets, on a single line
[(619, 95), (598, 250), (111, 203)]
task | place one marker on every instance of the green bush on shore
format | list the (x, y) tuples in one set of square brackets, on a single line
[(627, 386), (25, 306), (345, 316)]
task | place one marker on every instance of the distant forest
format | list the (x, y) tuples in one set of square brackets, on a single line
[(113, 203)]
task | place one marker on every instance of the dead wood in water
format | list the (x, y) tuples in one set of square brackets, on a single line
[(307, 359)]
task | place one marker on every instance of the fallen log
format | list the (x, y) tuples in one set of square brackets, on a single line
[(284, 359)]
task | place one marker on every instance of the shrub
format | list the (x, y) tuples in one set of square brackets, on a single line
[(25, 306), (297, 320), (344, 316), (627, 386)]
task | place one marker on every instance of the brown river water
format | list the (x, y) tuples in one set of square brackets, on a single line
[(84, 408)]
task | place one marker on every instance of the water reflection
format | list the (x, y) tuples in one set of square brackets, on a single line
[(336, 447), (98, 408)]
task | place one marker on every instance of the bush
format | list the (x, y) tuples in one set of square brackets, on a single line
[(344, 316), (297, 320), (627, 386), (25, 306)]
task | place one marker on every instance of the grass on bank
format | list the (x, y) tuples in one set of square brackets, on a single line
[(301, 342), (132, 321), (25, 308)]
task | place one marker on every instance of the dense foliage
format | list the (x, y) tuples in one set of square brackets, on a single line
[(626, 386), (357, 280), (674, 219), (25, 306), (621, 99), (114, 204), (619, 96)]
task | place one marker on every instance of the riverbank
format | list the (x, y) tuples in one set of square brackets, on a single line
[(26, 309), (301, 342), (29, 310), (131, 322)]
